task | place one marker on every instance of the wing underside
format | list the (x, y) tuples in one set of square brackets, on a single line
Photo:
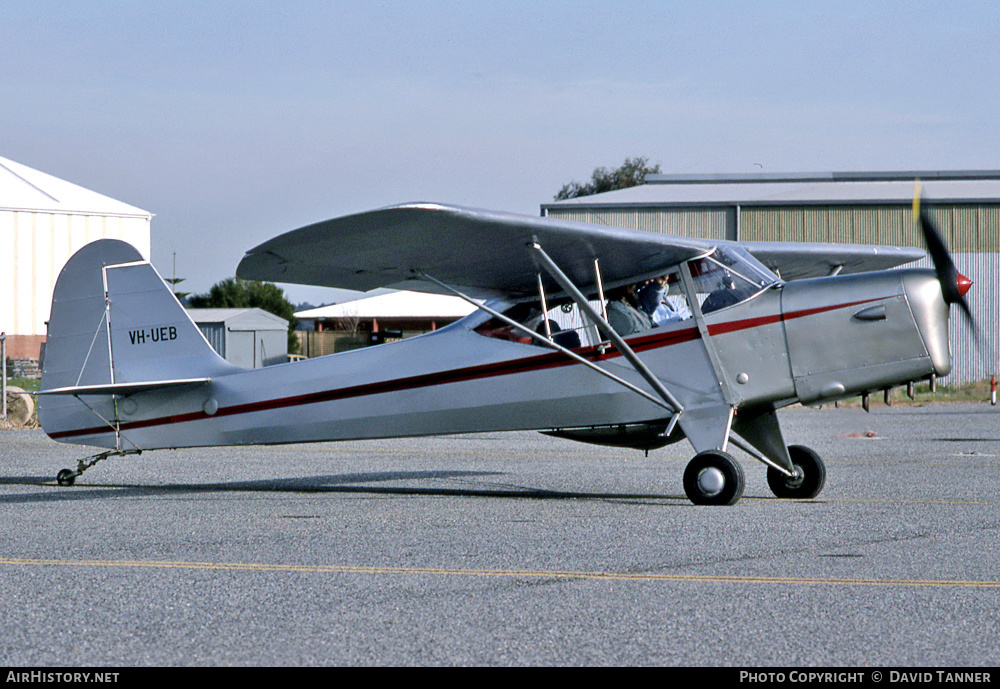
[(484, 253), (487, 254), (798, 260)]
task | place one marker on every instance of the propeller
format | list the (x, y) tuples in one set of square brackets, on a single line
[(954, 285)]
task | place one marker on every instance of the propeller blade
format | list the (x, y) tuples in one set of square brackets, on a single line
[(943, 265), (970, 320), (954, 285)]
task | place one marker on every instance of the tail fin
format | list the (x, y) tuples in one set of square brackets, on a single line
[(115, 326), (108, 287)]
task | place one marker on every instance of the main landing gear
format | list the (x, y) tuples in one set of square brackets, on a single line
[(714, 477), (810, 478)]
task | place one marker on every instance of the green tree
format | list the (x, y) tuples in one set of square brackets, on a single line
[(173, 282), (234, 293), (632, 173)]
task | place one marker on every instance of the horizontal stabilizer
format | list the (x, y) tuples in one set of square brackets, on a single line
[(123, 388)]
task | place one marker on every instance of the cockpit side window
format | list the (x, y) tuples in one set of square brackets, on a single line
[(727, 277), (525, 313), (569, 328)]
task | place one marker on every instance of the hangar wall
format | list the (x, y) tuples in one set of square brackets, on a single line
[(39, 244), (965, 227), (43, 221), (701, 223)]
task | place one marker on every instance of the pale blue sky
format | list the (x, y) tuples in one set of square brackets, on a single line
[(236, 121)]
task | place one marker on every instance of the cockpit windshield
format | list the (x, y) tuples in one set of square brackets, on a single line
[(728, 276)]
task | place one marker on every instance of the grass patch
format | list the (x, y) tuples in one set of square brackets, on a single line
[(978, 391), (26, 384)]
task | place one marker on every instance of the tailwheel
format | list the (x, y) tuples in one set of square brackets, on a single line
[(713, 478), (809, 479), (67, 477)]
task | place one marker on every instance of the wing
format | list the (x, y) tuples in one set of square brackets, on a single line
[(795, 260), (484, 253)]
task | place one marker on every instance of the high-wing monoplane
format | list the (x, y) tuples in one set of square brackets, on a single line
[(744, 330)]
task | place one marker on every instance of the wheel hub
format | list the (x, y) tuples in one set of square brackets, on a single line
[(796, 479), (711, 481)]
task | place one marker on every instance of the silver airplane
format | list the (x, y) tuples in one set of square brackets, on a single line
[(128, 371)]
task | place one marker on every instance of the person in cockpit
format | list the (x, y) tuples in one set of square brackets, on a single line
[(651, 299), (624, 315)]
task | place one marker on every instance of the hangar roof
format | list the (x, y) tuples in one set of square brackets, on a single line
[(25, 189), (962, 186), (239, 318), (399, 304)]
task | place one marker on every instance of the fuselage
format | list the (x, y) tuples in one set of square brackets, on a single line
[(805, 341)]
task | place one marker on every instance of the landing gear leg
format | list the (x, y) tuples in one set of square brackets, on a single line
[(713, 478), (67, 477), (810, 475)]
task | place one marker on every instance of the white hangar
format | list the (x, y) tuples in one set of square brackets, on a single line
[(43, 221)]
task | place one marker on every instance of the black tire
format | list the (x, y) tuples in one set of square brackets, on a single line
[(66, 477), (713, 478), (809, 485)]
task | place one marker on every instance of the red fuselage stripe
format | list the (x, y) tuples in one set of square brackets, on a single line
[(502, 368)]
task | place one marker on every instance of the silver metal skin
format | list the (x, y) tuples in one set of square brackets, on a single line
[(860, 333), (127, 370)]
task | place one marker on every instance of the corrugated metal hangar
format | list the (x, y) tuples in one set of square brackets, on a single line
[(838, 207), (43, 221)]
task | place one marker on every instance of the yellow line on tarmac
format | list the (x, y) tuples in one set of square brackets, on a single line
[(523, 574)]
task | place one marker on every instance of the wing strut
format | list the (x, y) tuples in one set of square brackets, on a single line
[(606, 329), (573, 355), (699, 319)]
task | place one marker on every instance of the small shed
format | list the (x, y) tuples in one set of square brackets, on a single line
[(251, 337)]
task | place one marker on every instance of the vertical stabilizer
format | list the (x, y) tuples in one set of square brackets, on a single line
[(115, 322), (77, 349), (152, 336)]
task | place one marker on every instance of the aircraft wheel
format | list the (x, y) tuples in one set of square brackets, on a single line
[(713, 478), (66, 477), (804, 487)]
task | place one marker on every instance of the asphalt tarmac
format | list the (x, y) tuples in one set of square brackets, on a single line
[(508, 549)]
